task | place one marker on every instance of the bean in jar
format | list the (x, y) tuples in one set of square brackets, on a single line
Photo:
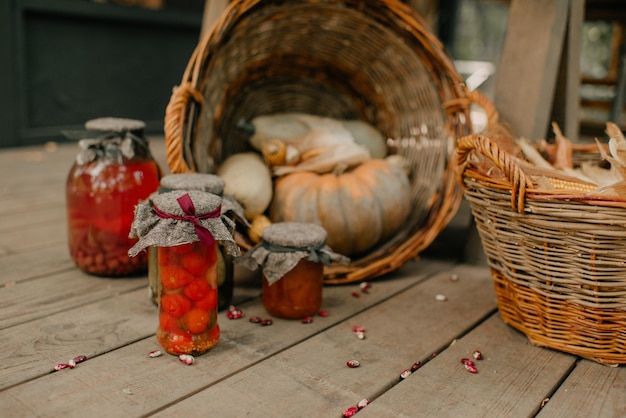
[(111, 174)]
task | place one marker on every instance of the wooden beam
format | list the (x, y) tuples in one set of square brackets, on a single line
[(428, 9), (566, 107), (529, 64), (213, 9)]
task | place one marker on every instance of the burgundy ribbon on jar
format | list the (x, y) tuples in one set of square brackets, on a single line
[(205, 236)]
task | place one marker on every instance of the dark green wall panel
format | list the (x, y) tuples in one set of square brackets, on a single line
[(71, 64)]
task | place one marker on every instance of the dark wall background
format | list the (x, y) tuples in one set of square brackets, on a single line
[(64, 62)]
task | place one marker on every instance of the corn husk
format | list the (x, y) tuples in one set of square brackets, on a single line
[(323, 151), (589, 178)]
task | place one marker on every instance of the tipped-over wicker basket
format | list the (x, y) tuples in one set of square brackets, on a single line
[(353, 59), (557, 255)]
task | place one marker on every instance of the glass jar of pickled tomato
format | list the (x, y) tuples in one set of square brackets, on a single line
[(113, 171), (292, 256), (185, 227), (225, 272)]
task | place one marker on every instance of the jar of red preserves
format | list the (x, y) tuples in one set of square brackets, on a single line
[(209, 183), (292, 256), (185, 227), (113, 171)]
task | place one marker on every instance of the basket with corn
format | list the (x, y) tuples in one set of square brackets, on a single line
[(552, 221)]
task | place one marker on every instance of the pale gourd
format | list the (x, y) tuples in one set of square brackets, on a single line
[(287, 126), (367, 136), (323, 151), (249, 180), (359, 208), (279, 126)]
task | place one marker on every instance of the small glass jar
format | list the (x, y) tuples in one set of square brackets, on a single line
[(292, 256), (298, 293), (186, 228), (209, 183), (111, 174)]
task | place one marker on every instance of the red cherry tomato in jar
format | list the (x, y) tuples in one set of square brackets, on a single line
[(198, 289), (175, 305), (174, 277), (195, 263), (209, 302), (196, 321), (168, 323)]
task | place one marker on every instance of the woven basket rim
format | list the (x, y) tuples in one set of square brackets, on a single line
[(519, 177)]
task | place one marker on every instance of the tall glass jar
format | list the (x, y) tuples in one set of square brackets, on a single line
[(186, 228), (113, 171), (225, 272), (292, 256)]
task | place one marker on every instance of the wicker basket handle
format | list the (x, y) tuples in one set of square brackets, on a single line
[(173, 127), (518, 179), (466, 98), (493, 117)]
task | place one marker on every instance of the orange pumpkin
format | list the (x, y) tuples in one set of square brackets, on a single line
[(358, 208)]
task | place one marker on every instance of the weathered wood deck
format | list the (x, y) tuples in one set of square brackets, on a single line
[(51, 312)]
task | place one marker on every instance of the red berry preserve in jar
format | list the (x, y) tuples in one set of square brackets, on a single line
[(297, 294), (112, 173), (292, 256), (185, 228)]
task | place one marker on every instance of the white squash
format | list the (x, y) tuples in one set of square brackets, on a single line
[(279, 126), (249, 180), (286, 126), (322, 151), (367, 136)]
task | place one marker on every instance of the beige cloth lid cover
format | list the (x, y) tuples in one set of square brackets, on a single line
[(208, 183), (284, 244), (153, 230)]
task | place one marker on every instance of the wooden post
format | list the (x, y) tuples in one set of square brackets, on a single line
[(538, 77), (529, 64), (566, 108), (428, 9), (213, 9)]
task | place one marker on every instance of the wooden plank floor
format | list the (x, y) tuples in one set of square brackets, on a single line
[(51, 312)]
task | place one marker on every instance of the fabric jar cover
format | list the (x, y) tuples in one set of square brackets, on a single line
[(111, 137), (210, 183), (284, 244), (193, 181), (181, 217)]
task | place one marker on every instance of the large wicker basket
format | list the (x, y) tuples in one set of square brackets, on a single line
[(351, 59), (557, 256)]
